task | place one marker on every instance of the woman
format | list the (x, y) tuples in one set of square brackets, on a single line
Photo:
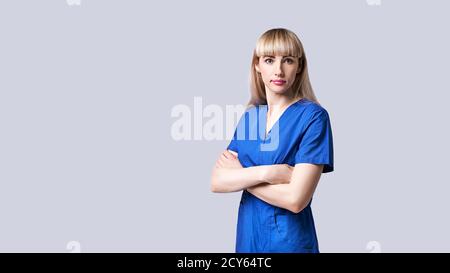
[(282, 144)]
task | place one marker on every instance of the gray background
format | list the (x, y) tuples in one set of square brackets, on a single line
[(86, 93)]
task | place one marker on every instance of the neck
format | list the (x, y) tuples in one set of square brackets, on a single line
[(277, 102)]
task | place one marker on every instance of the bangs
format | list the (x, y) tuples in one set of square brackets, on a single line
[(277, 43)]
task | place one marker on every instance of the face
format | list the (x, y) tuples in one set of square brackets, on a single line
[(278, 72)]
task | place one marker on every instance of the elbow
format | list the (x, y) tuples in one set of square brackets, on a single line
[(295, 205), (214, 188), (215, 185), (218, 187), (218, 184), (296, 208), (213, 182)]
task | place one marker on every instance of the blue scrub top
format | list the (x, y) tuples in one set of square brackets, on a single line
[(302, 134)]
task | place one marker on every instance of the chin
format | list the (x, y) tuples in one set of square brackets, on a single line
[(278, 91)]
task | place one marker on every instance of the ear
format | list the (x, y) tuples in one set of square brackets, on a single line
[(257, 68)]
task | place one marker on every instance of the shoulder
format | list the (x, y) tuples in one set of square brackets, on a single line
[(312, 110)]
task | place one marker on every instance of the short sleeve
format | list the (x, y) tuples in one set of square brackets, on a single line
[(233, 143), (316, 144), (238, 134)]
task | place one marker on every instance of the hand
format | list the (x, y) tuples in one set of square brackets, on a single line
[(278, 174), (228, 159)]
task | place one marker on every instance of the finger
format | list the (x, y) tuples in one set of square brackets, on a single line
[(225, 159), (233, 156), (233, 153), (223, 156), (228, 154), (219, 163)]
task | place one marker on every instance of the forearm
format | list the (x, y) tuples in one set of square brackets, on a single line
[(236, 179), (294, 196), (280, 195)]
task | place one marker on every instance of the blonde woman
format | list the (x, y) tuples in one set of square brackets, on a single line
[(280, 148)]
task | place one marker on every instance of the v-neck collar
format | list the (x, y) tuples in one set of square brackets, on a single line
[(276, 123)]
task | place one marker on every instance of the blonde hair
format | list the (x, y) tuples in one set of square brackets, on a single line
[(280, 41)]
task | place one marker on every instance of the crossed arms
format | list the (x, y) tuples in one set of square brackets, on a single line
[(280, 185)]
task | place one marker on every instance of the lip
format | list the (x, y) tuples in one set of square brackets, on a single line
[(278, 82)]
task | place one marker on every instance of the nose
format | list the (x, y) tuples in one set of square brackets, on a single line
[(277, 69)]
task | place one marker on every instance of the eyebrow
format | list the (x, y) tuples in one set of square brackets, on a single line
[(269, 56)]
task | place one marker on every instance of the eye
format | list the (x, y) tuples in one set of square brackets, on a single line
[(290, 61), (268, 59)]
